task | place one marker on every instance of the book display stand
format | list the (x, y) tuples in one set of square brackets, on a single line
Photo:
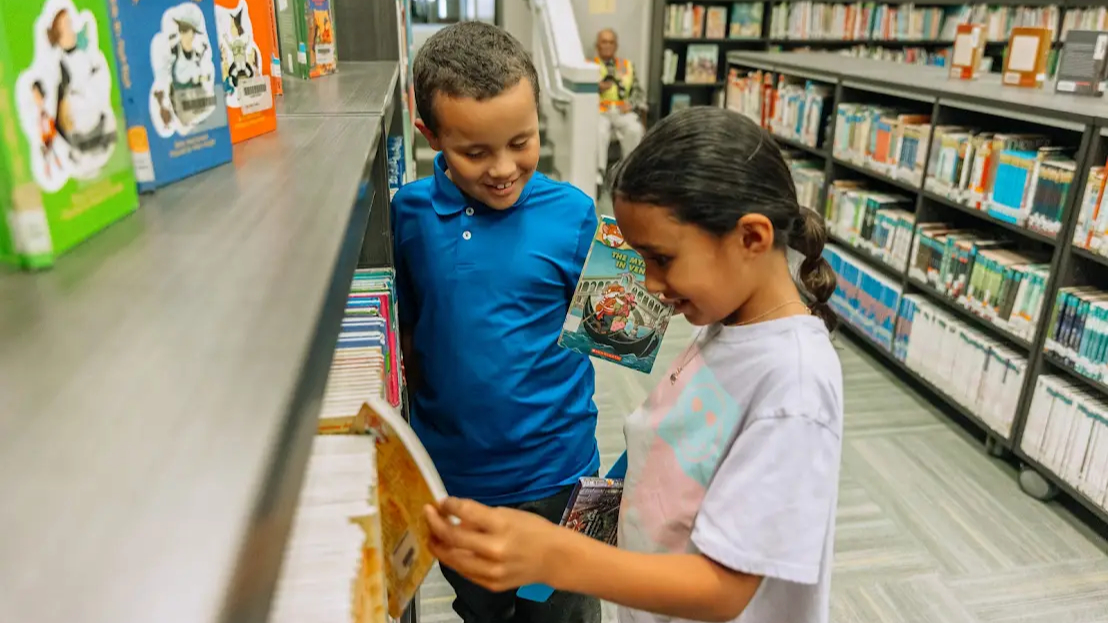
[(914, 254), (161, 384)]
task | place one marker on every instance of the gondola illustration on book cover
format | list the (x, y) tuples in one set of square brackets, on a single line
[(612, 316)]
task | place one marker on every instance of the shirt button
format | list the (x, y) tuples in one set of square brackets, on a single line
[(469, 211), (466, 235)]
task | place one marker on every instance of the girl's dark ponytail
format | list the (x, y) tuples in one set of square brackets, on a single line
[(808, 236)]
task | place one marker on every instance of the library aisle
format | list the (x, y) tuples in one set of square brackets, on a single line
[(930, 528)]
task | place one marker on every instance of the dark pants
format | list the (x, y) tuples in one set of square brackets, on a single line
[(477, 605)]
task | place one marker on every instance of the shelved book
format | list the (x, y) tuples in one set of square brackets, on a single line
[(307, 38), (1091, 232), (173, 98), (65, 172), (862, 21), (702, 63), (1083, 67), (808, 178), (1067, 432), (886, 140), (976, 371), (612, 316), (968, 49), (1078, 330), (245, 49)]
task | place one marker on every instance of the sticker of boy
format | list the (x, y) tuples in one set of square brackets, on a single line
[(184, 69)]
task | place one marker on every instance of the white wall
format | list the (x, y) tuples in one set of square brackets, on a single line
[(631, 21)]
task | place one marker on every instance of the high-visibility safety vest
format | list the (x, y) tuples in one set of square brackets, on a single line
[(624, 77)]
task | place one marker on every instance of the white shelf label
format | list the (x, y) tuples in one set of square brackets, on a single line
[(31, 231)]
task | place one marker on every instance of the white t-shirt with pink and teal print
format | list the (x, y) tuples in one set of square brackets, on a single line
[(738, 460)]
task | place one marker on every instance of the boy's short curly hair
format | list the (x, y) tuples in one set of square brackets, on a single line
[(469, 59)]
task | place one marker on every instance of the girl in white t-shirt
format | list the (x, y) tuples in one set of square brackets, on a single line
[(733, 461)]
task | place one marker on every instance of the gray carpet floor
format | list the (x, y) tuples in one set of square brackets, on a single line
[(930, 528)]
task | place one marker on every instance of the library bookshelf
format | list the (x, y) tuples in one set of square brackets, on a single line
[(1076, 126), (821, 25), (162, 383)]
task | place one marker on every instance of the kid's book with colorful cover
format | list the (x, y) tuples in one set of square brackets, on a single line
[(612, 315), (307, 37), (245, 49), (65, 172), (407, 481), (173, 95)]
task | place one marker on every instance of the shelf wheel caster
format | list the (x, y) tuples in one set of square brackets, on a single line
[(994, 447), (1034, 485)]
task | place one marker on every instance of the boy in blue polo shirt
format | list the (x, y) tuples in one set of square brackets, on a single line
[(488, 252)]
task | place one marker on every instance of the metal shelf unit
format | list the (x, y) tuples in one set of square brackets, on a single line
[(159, 387), (1084, 119), (659, 93)]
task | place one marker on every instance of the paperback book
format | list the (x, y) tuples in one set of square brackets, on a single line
[(1084, 63), (65, 172), (612, 315), (307, 38), (245, 47), (407, 481), (173, 97)]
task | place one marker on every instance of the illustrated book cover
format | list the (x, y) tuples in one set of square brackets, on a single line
[(612, 315), (406, 482), (592, 510), (245, 49), (173, 97), (307, 38), (65, 172)]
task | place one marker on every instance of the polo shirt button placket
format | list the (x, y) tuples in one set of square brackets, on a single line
[(469, 211)]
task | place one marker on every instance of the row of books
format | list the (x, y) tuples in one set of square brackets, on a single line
[(861, 21), (889, 141), (1067, 432), (1091, 232), (1084, 18), (701, 64), (983, 273), (786, 106), (864, 298), (1078, 330), (999, 20), (906, 55), (877, 223), (976, 371), (334, 561), (1018, 178), (808, 178), (695, 21), (99, 103), (367, 356)]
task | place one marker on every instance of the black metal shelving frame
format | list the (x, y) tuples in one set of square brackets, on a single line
[(1084, 120), (659, 92)]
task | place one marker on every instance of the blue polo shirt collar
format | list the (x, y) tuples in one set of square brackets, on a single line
[(448, 199)]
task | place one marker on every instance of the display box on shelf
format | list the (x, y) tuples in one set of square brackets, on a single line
[(173, 97), (65, 172), (307, 38), (245, 49)]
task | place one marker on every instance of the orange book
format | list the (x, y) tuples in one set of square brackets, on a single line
[(1025, 60), (275, 79), (969, 47), (246, 50)]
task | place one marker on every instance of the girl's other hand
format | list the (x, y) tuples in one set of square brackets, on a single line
[(497, 548)]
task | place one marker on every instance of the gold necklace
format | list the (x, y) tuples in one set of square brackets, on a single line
[(717, 329)]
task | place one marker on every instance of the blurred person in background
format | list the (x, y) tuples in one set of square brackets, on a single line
[(622, 101)]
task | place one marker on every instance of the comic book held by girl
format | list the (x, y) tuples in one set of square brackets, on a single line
[(65, 173), (307, 33), (612, 316), (173, 93), (245, 49)]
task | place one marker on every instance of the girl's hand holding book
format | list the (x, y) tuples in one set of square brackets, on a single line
[(497, 548)]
